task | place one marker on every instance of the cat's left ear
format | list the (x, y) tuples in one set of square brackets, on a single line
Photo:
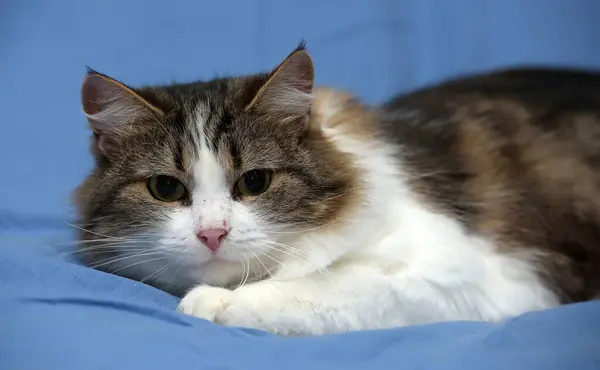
[(114, 110), (287, 94)]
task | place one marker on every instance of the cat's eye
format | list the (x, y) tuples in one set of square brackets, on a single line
[(253, 183), (166, 188)]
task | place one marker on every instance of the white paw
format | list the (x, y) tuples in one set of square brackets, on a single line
[(205, 302), (249, 308)]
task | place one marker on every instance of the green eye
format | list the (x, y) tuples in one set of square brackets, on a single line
[(166, 188), (253, 183)]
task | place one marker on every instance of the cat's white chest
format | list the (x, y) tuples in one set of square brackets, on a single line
[(433, 264), (417, 264)]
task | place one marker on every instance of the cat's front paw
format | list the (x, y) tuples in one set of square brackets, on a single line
[(205, 302), (242, 308)]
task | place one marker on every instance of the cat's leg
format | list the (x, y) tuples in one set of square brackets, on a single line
[(349, 298)]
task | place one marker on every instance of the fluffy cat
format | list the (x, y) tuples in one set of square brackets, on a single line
[(302, 211)]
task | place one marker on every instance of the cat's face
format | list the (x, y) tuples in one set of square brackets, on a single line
[(208, 182)]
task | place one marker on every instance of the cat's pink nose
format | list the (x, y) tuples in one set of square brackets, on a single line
[(212, 238)]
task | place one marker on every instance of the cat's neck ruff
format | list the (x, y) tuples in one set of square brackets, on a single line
[(395, 230)]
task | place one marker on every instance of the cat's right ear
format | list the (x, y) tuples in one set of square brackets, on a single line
[(287, 94), (112, 108)]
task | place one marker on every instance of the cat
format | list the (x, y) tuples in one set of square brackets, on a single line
[(300, 210)]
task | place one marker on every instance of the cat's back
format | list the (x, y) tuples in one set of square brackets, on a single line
[(514, 155), (551, 97)]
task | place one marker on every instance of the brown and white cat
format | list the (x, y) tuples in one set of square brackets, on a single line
[(302, 211)]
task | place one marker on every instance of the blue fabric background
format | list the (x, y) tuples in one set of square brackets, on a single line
[(57, 315)]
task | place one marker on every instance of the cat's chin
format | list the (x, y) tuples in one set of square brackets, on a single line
[(215, 272), (179, 278)]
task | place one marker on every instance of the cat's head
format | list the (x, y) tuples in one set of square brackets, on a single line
[(202, 182)]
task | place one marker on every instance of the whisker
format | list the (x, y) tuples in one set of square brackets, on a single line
[(288, 250), (272, 258), (180, 261), (120, 251), (158, 272), (246, 272), (138, 263), (304, 230), (116, 246), (98, 242), (121, 258), (295, 253), (280, 226), (78, 242), (174, 275), (90, 231), (267, 271)]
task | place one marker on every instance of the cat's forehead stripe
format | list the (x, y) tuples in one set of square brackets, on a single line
[(208, 172), (217, 128)]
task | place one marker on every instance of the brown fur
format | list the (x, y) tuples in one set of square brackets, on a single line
[(514, 155)]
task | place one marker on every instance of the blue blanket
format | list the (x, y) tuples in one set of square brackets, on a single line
[(55, 314)]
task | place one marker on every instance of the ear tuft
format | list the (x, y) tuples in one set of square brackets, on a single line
[(301, 46)]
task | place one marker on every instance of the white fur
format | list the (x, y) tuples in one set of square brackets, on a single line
[(290, 101), (394, 262)]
